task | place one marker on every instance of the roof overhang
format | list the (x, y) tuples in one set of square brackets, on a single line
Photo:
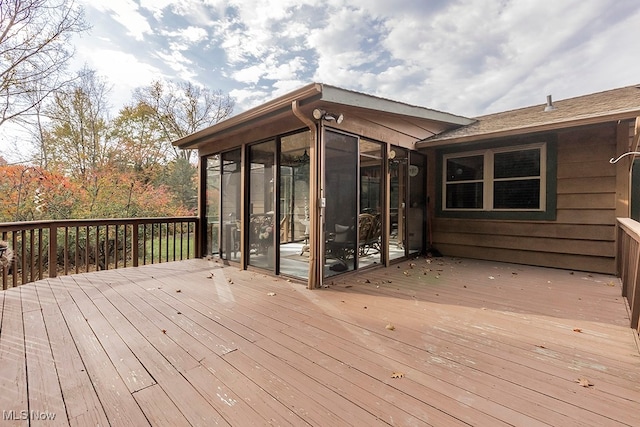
[(532, 128), (318, 95)]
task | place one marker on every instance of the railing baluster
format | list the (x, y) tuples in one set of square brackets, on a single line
[(106, 247), (65, 252), (14, 244), (77, 250), (135, 244), (5, 270), (32, 260), (40, 261), (115, 248)]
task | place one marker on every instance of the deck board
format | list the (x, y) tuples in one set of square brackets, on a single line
[(13, 370), (200, 343)]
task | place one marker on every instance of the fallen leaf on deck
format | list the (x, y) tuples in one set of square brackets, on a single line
[(406, 273), (577, 330), (541, 346), (390, 327), (178, 290), (491, 277), (367, 281), (271, 294), (411, 265), (397, 375), (584, 382), (164, 331)]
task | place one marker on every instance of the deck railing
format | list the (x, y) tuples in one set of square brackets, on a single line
[(628, 264), (51, 248)]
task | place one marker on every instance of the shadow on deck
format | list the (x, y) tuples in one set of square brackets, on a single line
[(428, 342)]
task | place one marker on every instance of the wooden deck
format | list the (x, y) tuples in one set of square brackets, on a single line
[(196, 343)]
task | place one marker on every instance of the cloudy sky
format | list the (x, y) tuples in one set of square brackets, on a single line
[(468, 57)]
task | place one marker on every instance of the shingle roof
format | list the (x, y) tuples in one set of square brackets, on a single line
[(612, 104)]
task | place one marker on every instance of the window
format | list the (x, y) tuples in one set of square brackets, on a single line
[(496, 179)]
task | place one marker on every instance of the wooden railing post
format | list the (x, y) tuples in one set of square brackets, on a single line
[(135, 242), (53, 250), (629, 266)]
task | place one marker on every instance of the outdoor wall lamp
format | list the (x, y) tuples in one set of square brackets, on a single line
[(319, 114)]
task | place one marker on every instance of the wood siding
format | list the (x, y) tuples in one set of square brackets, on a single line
[(582, 236)]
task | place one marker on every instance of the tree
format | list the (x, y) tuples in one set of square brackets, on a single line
[(31, 193), (179, 110), (75, 136), (35, 49), (138, 141), (183, 108)]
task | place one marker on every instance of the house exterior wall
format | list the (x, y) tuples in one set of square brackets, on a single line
[(581, 236)]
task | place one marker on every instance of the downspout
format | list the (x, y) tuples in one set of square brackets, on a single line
[(315, 268)]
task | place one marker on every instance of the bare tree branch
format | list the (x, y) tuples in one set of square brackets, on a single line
[(35, 49)]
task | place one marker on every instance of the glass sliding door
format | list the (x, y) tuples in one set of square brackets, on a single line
[(341, 195), (398, 158), (262, 227), (370, 210), (230, 186), (212, 205), (416, 224), (294, 216)]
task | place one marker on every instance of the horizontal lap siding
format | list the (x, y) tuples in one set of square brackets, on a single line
[(582, 237)]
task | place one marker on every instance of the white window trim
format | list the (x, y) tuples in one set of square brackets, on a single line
[(488, 180)]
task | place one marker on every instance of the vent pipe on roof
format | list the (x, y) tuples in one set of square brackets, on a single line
[(549, 106)]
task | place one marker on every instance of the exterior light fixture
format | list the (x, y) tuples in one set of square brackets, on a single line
[(333, 118), (319, 114)]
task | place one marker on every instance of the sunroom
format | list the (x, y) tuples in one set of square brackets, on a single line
[(316, 183)]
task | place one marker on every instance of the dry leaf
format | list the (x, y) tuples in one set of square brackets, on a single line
[(179, 290), (541, 346), (584, 382), (390, 327), (271, 294), (164, 331), (577, 330), (397, 375)]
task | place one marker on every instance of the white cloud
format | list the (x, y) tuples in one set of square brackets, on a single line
[(468, 57), (126, 12), (123, 71)]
